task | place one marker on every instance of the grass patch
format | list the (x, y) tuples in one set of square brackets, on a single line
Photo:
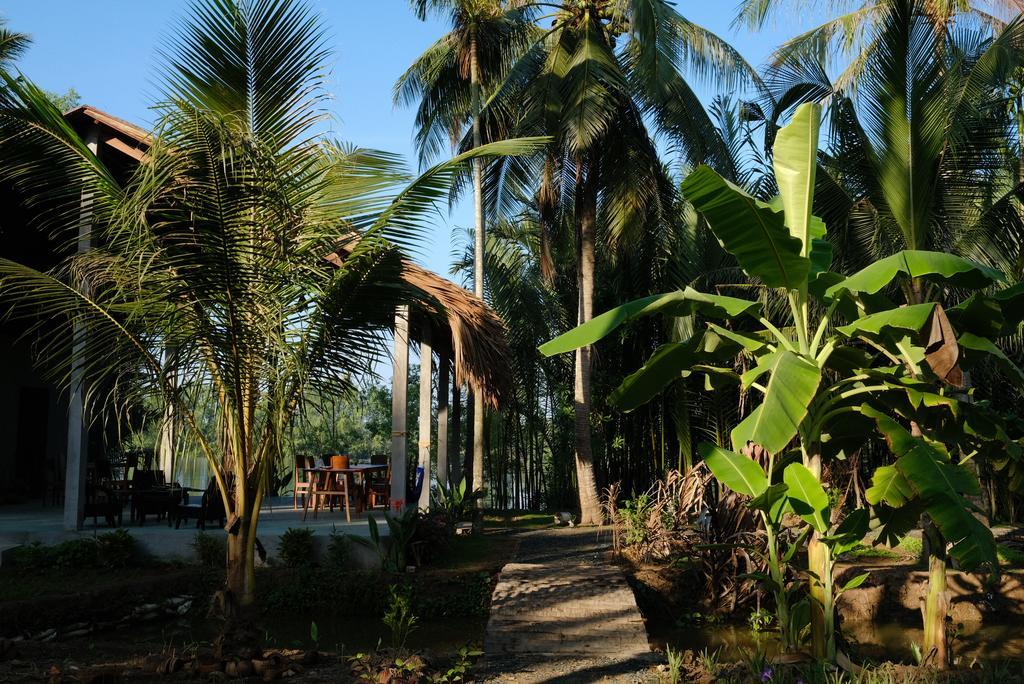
[(911, 546), (1009, 556), (518, 521), (867, 551)]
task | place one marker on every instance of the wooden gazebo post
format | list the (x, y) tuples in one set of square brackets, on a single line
[(426, 380), (399, 391)]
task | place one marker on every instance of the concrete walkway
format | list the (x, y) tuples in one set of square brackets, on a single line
[(560, 613)]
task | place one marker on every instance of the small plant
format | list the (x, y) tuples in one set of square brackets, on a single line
[(210, 550), (117, 550), (760, 620), (675, 665), (455, 502), (635, 515), (398, 617), (394, 552), (296, 547), (314, 634), (710, 660), (460, 667), (370, 667), (337, 551), (759, 666)]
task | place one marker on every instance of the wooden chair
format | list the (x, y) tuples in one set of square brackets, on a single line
[(151, 496), (210, 508), (103, 502), (378, 489), (302, 481), (328, 486)]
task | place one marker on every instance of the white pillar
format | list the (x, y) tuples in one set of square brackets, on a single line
[(454, 453), (78, 432), (399, 391), (426, 394), (168, 436), (442, 415)]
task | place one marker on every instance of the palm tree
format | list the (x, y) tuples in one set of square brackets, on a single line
[(215, 251), (12, 44), (849, 37), (449, 82), (595, 80)]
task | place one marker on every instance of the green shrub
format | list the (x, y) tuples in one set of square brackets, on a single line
[(117, 549), (295, 548), (211, 551), (635, 515), (75, 553), (338, 555), (113, 550), (32, 556)]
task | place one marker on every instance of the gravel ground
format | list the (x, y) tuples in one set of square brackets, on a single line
[(572, 547)]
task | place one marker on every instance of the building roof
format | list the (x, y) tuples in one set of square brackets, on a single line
[(476, 333)]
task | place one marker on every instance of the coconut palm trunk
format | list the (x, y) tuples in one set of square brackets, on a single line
[(478, 260), (590, 506)]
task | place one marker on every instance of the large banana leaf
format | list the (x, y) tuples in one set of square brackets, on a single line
[(990, 315), (670, 360), (665, 366), (679, 303), (806, 496), (749, 229), (933, 266), (979, 345), (924, 473), (793, 384), (736, 472), (795, 161), (905, 319)]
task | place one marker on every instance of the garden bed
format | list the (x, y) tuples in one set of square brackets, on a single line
[(319, 610)]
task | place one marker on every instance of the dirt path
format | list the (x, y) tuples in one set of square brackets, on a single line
[(560, 613)]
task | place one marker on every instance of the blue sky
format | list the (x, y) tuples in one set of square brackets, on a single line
[(107, 51)]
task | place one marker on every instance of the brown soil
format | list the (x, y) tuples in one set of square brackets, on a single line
[(896, 592)]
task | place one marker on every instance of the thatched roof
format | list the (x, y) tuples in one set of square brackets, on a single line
[(471, 329), (476, 334)]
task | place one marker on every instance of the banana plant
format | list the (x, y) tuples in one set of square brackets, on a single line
[(839, 344)]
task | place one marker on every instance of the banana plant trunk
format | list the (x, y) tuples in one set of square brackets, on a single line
[(935, 611), (820, 586), (590, 505)]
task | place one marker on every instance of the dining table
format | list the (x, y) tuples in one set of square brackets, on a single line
[(328, 474)]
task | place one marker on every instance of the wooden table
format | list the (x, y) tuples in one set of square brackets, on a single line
[(360, 495)]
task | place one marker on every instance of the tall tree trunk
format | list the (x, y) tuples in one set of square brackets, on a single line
[(590, 505), (241, 550), (478, 261)]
